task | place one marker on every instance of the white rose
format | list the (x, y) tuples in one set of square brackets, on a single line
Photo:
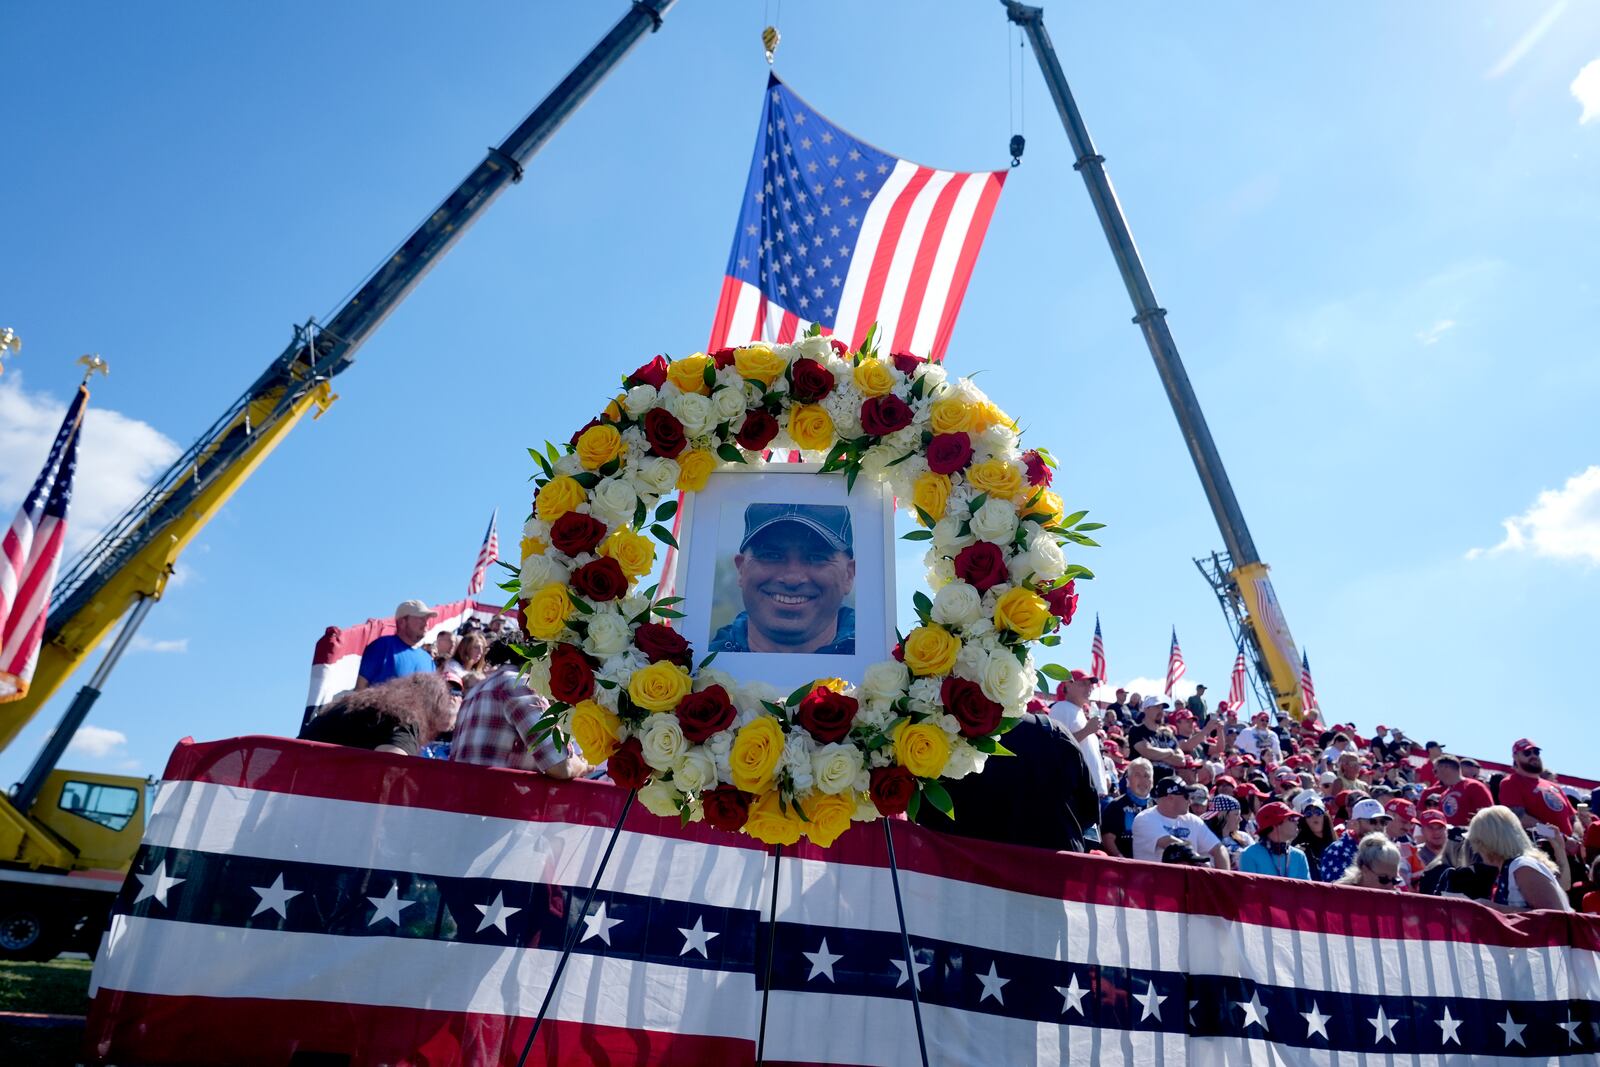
[(933, 376), (998, 440), (639, 399), (633, 606), (695, 770), (885, 681), (707, 677), (536, 529), (866, 810), (995, 521), (608, 635), (539, 676), (729, 404), (941, 572), (662, 741), (540, 571), (658, 475), (660, 798), (957, 604), (1004, 680), (1044, 560), (613, 501), (748, 697), (796, 760), (964, 760), (970, 662), (817, 348), (834, 767), (694, 411), (947, 535)]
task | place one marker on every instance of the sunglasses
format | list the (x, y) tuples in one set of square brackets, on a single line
[(1384, 879)]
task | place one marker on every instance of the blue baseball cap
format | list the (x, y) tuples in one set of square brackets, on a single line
[(831, 522)]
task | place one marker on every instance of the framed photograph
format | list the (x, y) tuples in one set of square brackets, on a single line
[(786, 576)]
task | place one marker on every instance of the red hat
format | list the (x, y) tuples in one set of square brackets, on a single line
[(1522, 746), (1380, 728), (1084, 676), (1260, 715), (1226, 779), (1274, 814), (1402, 808), (1433, 817), (1286, 774), (1245, 789)]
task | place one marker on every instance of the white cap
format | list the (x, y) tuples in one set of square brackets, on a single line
[(1328, 778), (1304, 799), (1152, 702), (413, 607), (1369, 809)]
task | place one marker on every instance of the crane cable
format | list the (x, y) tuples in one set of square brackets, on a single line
[(1017, 96)]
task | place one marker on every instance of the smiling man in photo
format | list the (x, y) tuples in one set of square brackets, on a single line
[(796, 565)]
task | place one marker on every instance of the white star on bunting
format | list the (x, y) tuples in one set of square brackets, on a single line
[(822, 961), (1513, 1031), (1382, 1028), (1253, 1012), (993, 985), (597, 925), (1072, 996), (1316, 1022), (389, 906), (1571, 1027), (274, 898), (156, 884), (1151, 1002), (696, 938), (900, 965), (1447, 1029), (495, 914)]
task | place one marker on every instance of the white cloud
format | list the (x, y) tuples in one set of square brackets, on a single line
[(140, 643), (1562, 523), (97, 741), (1147, 687), (117, 460), (1526, 42), (1586, 91), (1431, 335)]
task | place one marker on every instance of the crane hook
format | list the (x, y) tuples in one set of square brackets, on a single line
[(769, 41), (1018, 143)]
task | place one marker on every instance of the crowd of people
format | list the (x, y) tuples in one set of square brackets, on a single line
[(1136, 777)]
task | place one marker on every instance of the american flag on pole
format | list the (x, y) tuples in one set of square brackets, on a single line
[(486, 556), (1236, 692), (30, 555), (1307, 690), (1097, 652), (294, 902), (835, 231), (1175, 666)]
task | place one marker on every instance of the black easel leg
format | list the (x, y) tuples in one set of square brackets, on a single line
[(905, 941), (772, 945), (572, 935)]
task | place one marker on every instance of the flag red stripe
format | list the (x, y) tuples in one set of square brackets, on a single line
[(726, 305), (922, 267), (964, 265), (36, 584), (883, 255), (788, 327)]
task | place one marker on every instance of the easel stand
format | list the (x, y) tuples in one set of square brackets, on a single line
[(571, 940), (772, 947), (905, 941)]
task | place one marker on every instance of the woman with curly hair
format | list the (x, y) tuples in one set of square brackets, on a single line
[(399, 716)]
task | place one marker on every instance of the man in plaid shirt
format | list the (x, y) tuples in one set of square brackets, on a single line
[(497, 720)]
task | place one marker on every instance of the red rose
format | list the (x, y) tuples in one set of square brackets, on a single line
[(1063, 601), (898, 652), (575, 533), (949, 452), (840, 349), (978, 715), (1039, 472), (827, 715), (600, 580), (726, 808), (664, 432), (809, 381), (627, 766), (652, 373), (723, 358), (705, 713), (981, 565), (891, 790), (906, 363), (659, 642), (884, 415), (571, 677), (757, 432)]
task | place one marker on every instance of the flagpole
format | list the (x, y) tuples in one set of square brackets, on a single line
[(905, 942), (772, 947)]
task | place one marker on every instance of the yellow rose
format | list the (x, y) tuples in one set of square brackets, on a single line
[(759, 364), (598, 445), (1047, 510), (950, 415), (694, 467), (770, 824), (931, 493), (1000, 479), (547, 611), (921, 748), (756, 749), (811, 427), (873, 377), (613, 411), (689, 373), (986, 414), (634, 553), (830, 816), (532, 546), (596, 730), (1023, 612), (659, 686), (931, 650), (559, 496), (838, 685)]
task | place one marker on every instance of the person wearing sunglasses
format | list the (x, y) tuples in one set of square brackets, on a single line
[(1376, 864)]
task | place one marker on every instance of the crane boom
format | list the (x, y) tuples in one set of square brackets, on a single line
[(1245, 584), (134, 556)]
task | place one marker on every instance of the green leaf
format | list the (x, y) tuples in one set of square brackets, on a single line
[(939, 797), (781, 712), (543, 463), (850, 476), (730, 453), (814, 330), (913, 808), (1073, 518), (1082, 526), (1049, 460), (991, 746), (706, 662), (709, 375), (587, 479), (835, 454), (553, 452), (667, 613), (1077, 570), (977, 502), (924, 606), (917, 385), (868, 344), (902, 459), (1020, 650), (610, 467), (918, 535), (1056, 671), (666, 510), (1050, 640), (799, 695), (605, 683), (758, 383), (581, 604), (668, 601), (1044, 683), (927, 520), (640, 513), (663, 534)]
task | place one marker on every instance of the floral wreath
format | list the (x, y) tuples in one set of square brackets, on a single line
[(745, 756)]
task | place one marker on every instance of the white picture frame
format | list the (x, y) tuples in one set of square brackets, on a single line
[(713, 520)]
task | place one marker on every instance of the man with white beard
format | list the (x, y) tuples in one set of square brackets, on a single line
[(1072, 710)]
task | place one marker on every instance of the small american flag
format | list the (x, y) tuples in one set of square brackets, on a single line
[(486, 556), (31, 553), (1175, 666), (1308, 691), (1097, 652), (1236, 689), (837, 232)]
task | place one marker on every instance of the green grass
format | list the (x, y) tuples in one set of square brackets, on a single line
[(60, 987)]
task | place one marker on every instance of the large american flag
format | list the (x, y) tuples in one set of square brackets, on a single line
[(1308, 691), (487, 554), (1175, 667), (30, 555), (298, 898), (835, 231), (1236, 692), (1097, 652)]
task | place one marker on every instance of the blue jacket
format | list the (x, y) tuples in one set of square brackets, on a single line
[(735, 637)]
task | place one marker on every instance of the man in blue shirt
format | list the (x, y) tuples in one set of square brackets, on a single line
[(1273, 854), (796, 565), (400, 653)]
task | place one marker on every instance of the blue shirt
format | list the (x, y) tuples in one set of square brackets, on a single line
[(1291, 864), (735, 637), (389, 657)]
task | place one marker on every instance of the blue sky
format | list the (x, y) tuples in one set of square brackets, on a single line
[(1375, 234)]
